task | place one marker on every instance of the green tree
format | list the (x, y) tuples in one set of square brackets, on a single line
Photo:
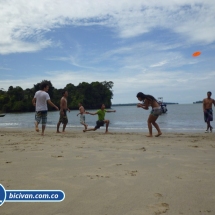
[(91, 95)]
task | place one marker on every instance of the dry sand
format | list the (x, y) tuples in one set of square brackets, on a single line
[(114, 174)]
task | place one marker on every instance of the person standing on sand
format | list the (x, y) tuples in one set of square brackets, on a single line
[(208, 111), (149, 100), (82, 116), (63, 109), (101, 119), (40, 100)]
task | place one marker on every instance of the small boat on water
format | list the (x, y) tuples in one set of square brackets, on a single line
[(2, 115), (162, 104)]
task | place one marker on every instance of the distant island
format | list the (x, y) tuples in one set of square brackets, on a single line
[(134, 104), (197, 102)]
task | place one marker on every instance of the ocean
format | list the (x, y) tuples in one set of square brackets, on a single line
[(179, 118)]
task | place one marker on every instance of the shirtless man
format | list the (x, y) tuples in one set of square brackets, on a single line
[(208, 112), (82, 116), (63, 109), (154, 114)]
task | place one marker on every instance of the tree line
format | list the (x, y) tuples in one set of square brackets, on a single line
[(91, 95)]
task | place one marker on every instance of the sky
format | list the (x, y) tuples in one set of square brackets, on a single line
[(141, 46)]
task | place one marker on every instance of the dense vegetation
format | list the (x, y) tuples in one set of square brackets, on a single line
[(90, 95)]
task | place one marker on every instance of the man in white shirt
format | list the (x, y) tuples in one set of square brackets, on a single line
[(40, 100)]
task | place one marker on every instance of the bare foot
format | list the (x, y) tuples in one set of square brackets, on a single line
[(84, 130), (158, 135), (106, 132), (149, 135), (36, 127), (58, 132), (42, 134)]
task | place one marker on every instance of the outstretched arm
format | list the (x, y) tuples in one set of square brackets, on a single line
[(90, 113), (52, 104), (109, 111)]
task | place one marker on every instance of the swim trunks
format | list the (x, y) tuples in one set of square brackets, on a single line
[(208, 115), (63, 117), (41, 115)]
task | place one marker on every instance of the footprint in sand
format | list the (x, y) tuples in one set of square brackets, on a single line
[(132, 173), (178, 177), (143, 149), (57, 156), (160, 208), (194, 141), (158, 195), (194, 146)]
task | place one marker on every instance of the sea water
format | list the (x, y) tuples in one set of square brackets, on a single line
[(179, 118)]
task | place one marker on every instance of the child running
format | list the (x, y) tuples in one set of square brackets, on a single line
[(82, 116), (101, 119)]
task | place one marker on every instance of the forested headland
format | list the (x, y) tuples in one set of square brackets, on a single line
[(91, 95)]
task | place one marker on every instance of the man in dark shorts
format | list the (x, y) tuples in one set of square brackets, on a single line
[(208, 111), (63, 109), (101, 119)]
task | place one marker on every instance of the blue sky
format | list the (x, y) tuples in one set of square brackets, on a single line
[(140, 45)]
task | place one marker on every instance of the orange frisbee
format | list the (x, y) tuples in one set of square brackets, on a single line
[(196, 54)]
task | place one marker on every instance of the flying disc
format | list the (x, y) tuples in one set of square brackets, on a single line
[(196, 54)]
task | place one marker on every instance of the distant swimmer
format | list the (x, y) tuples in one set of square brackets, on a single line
[(101, 118), (208, 111), (82, 115), (149, 100), (63, 112)]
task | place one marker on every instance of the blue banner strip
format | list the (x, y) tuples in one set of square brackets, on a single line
[(34, 196)]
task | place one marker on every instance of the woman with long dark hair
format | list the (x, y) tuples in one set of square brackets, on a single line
[(149, 100)]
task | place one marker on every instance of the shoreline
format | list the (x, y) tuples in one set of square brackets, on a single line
[(113, 130)]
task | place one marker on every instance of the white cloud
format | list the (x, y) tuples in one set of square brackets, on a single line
[(159, 64), (24, 23), (17, 46)]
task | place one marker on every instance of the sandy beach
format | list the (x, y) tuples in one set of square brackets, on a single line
[(114, 174)]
